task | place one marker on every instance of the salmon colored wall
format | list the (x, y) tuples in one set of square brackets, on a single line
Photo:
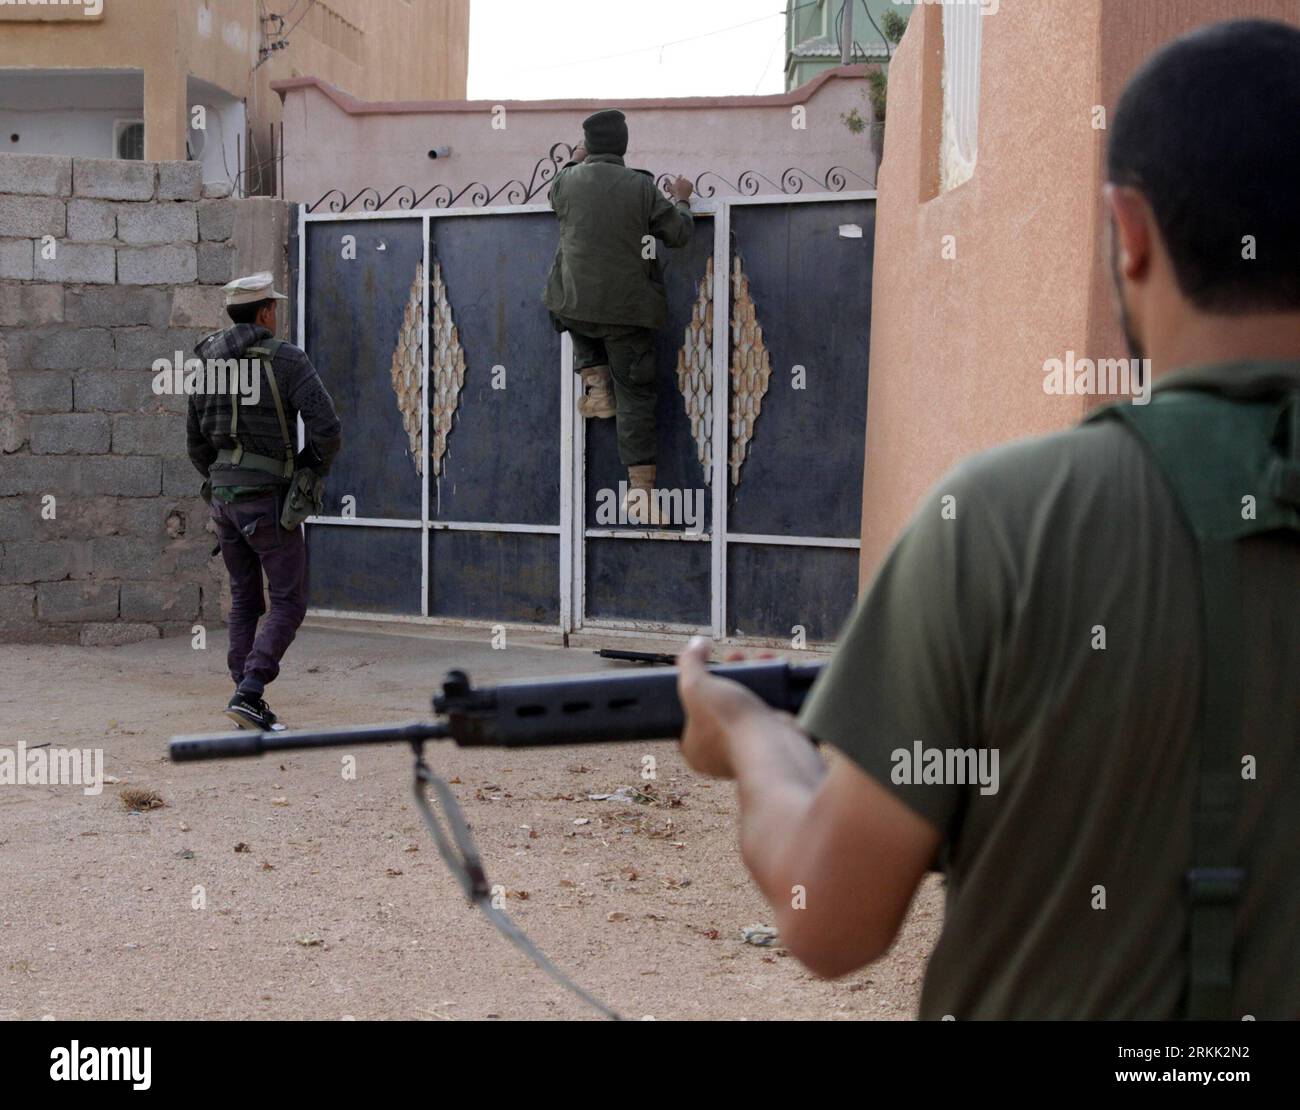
[(337, 142), (957, 347)]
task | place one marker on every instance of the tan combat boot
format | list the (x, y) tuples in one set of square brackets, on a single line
[(639, 505), (597, 400)]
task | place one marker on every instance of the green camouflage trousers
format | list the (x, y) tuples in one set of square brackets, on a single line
[(629, 352)]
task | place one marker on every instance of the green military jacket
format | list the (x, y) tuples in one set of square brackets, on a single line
[(601, 273), (1043, 607)]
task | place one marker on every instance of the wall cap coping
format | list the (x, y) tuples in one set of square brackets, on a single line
[(356, 107)]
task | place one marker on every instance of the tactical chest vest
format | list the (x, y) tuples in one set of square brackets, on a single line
[(237, 456), (1233, 466)]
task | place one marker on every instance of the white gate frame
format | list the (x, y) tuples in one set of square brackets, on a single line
[(572, 530)]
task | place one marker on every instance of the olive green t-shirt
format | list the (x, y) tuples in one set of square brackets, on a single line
[(1044, 605)]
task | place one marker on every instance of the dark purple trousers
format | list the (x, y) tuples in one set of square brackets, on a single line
[(253, 543)]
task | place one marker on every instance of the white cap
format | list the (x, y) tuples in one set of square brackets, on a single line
[(254, 287)]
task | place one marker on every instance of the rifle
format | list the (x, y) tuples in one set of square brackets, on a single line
[(593, 709)]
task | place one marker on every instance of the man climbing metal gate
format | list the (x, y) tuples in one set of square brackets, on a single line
[(606, 288)]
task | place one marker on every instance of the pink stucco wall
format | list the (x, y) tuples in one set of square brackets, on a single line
[(958, 346), (333, 141)]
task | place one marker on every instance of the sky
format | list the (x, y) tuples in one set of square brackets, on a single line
[(542, 49)]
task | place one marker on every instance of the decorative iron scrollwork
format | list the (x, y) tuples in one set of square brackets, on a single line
[(516, 191), (750, 182), (476, 194)]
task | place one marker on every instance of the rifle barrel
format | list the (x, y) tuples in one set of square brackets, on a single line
[(589, 709), (233, 745)]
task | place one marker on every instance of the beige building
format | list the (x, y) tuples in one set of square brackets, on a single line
[(127, 78)]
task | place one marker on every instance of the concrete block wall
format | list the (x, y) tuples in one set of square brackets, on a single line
[(105, 266)]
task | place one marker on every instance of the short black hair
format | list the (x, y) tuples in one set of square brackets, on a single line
[(247, 313), (1208, 129)]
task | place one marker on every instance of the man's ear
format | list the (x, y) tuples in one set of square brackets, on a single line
[(1134, 225)]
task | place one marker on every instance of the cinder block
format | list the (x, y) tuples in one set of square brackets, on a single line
[(13, 431), (87, 263), (77, 601), (115, 476), (30, 305), (262, 228), (17, 609), (33, 217), (44, 560), (76, 433), (113, 391), (157, 223), (217, 190), (115, 308), (180, 180), (41, 390), (40, 475), (173, 264), (199, 306), (20, 518), (154, 601), (47, 174), (16, 259), (216, 220), (216, 263), (175, 403), (95, 517), (124, 557), (87, 518), (180, 478), (113, 178), (92, 220), (188, 557), (139, 348), (60, 348), (116, 634), (151, 434)]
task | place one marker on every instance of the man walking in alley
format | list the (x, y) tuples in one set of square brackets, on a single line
[(259, 488)]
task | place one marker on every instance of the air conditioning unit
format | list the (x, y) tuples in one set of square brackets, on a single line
[(128, 139)]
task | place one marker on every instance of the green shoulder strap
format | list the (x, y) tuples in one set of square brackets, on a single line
[(1234, 468), (265, 354)]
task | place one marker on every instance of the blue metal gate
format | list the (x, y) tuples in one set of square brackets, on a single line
[(468, 487)]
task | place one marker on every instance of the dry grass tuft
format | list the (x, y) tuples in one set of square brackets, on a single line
[(141, 798)]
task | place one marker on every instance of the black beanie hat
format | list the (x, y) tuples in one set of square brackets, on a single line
[(606, 132)]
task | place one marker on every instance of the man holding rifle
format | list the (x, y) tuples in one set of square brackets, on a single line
[(1139, 855)]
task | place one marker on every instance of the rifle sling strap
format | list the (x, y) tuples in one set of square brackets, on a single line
[(463, 860), (1217, 454), (1215, 881)]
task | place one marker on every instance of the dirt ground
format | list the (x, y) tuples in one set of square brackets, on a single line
[(336, 904)]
